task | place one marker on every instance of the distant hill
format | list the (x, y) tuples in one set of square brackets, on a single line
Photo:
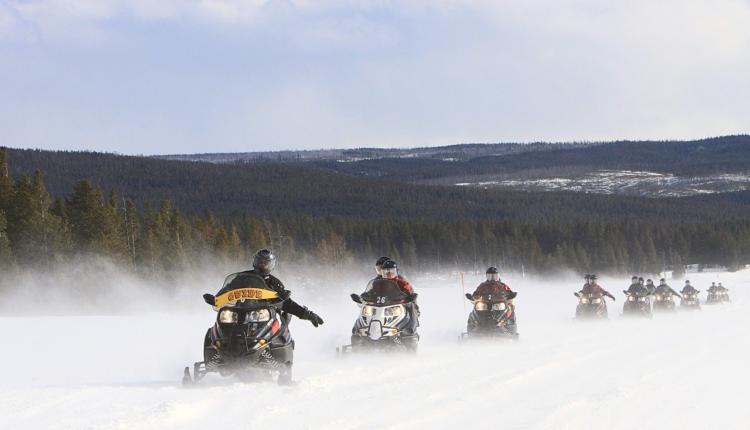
[(278, 189)]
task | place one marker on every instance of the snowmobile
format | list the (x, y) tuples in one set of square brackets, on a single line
[(250, 338), (591, 306), (388, 320), (690, 301), (664, 302), (717, 297), (492, 317), (637, 305)]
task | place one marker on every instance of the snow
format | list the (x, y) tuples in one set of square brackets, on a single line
[(645, 183), (685, 371)]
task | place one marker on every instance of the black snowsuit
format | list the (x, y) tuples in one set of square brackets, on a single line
[(289, 306), (638, 289), (665, 289), (688, 289)]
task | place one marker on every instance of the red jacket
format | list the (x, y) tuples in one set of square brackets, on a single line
[(403, 284), (490, 287), (595, 289)]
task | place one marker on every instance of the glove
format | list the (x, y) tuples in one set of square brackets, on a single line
[(313, 318)]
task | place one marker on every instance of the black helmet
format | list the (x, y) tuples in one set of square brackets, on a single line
[(264, 262), (649, 281), (492, 274), (389, 269), (592, 277), (687, 281), (587, 276), (634, 278), (379, 264)]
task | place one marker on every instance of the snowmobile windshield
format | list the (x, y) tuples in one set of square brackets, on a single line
[(496, 298), (246, 291), (384, 292)]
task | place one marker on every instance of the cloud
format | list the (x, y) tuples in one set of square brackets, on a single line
[(195, 76)]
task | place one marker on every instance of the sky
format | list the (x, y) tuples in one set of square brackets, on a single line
[(192, 76)]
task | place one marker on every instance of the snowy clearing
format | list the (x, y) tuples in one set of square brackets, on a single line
[(685, 371)]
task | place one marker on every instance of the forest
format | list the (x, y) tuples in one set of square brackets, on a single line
[(319, 218)]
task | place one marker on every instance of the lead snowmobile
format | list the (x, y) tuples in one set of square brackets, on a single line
[(690, 301), (637, 304), (591, 306), (251, 337), (387, 321), (493, 316)]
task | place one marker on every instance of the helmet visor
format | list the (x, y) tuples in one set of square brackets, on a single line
[(389, 273), (493, 276)]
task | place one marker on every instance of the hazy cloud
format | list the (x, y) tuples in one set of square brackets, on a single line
[(221, 75)]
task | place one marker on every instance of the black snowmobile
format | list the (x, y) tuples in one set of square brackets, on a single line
[(637, 304), (664, 302), (493, 316), (251, 337), (717, 297), (591, 306), (388, 320), (690, 301)]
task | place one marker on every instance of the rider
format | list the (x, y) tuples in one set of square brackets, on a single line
[(665, 289), (713, 288), (591, 287), (389, 270), (263, 264), (688, 289), (722, 288), (492, 286), (378, 271), (636, 288), (650, 286)]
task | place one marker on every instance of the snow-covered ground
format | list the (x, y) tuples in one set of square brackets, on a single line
[(683, 371), (629, 182)]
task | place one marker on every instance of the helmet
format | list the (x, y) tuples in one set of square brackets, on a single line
[(264, 262), (649, 281), (662, 281), (492, 274), (634, 279), (720, 284), (713, 283), (592, 277), (687, 282), (389, 269), (379, 264)]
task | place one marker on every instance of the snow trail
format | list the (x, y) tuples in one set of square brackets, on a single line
[(123, 372)]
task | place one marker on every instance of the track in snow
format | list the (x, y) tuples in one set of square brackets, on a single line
[(685, 371)]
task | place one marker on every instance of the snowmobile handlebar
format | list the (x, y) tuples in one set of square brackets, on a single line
[(510, 295)]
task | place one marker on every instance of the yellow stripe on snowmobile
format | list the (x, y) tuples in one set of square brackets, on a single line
[(245, 294)]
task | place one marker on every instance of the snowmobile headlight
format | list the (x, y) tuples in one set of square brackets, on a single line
[(641, 299), (584, 300), (498, 306), (227, 316), (659, 297), (393, 311), (631, 299), (368, 311), (480, 306), (259, 315), (596, 300)]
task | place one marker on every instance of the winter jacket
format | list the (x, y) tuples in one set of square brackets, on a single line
[(487, 288), (666, 289), (596, 289), (289, 306), (688, 289), (637, 289)]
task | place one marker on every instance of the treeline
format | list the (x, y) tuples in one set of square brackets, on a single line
[(38, 231), (726, 154)]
